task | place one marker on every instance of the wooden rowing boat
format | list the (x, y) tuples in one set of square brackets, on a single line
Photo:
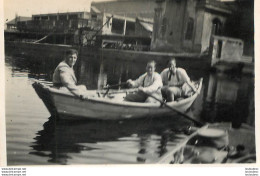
[(64, 104)]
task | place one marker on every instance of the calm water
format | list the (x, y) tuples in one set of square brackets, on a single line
[(34, 138)]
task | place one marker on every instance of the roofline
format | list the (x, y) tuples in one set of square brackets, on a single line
[(227, 38), (18, 18), (146, 20), (59, 13), (121, 17), (207, 6), (102, 2)]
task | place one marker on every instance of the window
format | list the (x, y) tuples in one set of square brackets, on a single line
[(118, 26), (130, 28), (219, 49), (164, 26), (62, 17), (45, 18), (216, 27), (94, 16), (189, 30), (52, 18), (74, 16)]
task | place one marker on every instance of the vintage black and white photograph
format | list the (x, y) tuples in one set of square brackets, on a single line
[(129, 82)]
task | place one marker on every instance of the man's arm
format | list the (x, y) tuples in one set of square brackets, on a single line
[(69, 83), (136, 83), (157, 84), (187, 80), (192, 86)]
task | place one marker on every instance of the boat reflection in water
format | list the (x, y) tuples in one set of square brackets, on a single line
[(107, 142)]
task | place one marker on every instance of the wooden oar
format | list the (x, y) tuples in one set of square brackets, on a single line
[(115, 85), (176, 110), (109, 87)]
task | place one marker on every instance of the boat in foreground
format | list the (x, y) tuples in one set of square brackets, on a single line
[(110, 107), (211, 144)]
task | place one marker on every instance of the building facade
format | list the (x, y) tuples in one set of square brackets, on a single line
[(55, 22), (123, 23), (123, 17), (187, 25), (127, 8), (13, 24)]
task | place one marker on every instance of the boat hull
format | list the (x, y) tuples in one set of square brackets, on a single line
[(106, 111), (69, 106)]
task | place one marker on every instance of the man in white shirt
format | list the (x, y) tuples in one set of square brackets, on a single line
[(149, 83), (176, 82)]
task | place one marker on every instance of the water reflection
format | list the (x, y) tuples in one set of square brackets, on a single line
[(145, 140), (229, 99)]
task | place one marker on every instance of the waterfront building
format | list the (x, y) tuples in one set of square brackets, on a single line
[(56, 22), (144, 27), (127, 8), (126, 24), (176, 26), (187, 25), (116, 31), (12, 25), (241, 24)]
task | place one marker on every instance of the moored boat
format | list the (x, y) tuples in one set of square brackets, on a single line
[(213, 143), (65, 104)]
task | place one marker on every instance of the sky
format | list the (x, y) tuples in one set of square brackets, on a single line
[(29, 7)]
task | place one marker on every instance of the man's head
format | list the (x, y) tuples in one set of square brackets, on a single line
[(71, 57), (172, 65), (150, 67)]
